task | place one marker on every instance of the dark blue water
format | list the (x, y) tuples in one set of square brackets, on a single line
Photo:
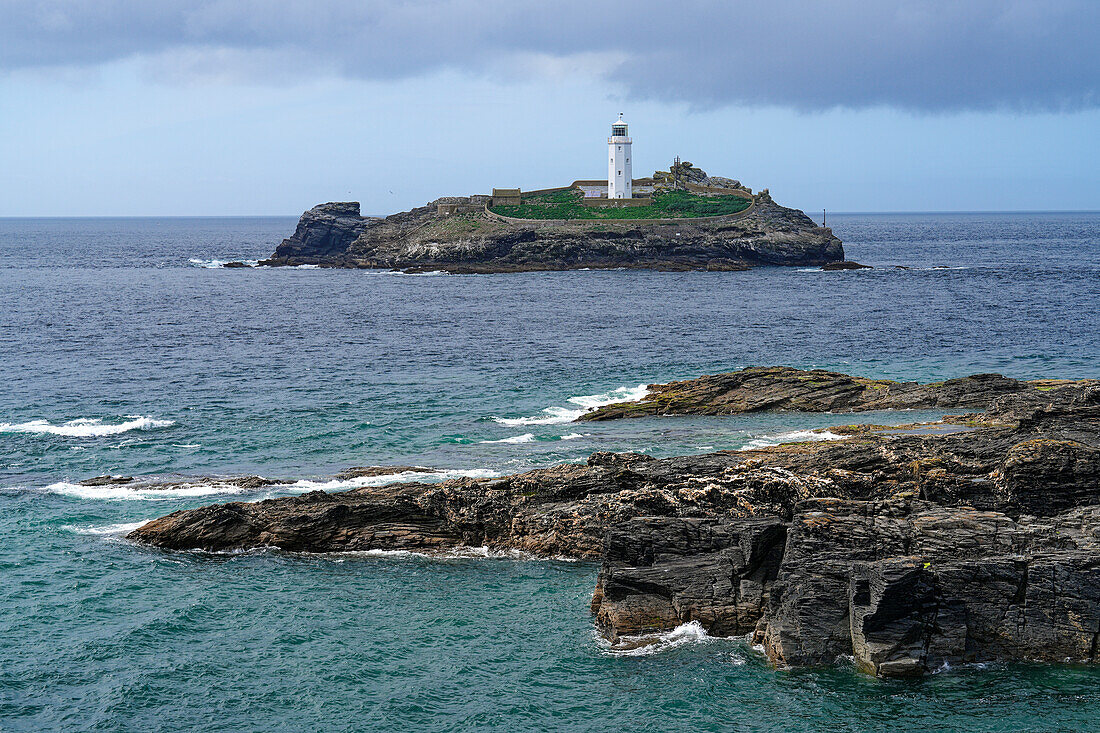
[(122, 353)]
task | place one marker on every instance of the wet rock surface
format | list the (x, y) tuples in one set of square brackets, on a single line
[(422, 239), (106, 480), (972, 540)]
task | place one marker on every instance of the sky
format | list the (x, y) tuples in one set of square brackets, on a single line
[(267, 107)]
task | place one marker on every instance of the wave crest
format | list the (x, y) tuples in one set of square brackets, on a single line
[(646, 644), (184, 489), (795, 436), (85, 427), (525, 438), (556, 415)]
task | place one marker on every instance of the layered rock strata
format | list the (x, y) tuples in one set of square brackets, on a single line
[(976, 539), (757, 389)]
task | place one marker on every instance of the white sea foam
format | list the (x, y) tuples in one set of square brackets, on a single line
[(393, 478), (306, 267), (130, 492), (215, 264), (84, 427), (795, 436), (107, 529), (622, 394), (452, 553), (646, 644), (557, 415), (525, 438), (573, 436), (137, 491), (549, 416)]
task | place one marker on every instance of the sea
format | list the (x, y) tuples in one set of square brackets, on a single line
[(126, 349)]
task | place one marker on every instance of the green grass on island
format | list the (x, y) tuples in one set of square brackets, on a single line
[(666, 205)]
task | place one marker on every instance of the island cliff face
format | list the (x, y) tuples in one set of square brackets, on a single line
[(968, 540), (335, 235)]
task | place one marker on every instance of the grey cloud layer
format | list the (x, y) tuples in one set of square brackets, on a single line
[(1030, 55)]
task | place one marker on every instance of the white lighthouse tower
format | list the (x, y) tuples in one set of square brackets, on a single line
[(618, 161)]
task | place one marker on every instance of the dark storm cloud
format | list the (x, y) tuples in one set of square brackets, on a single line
[(1030, 55)]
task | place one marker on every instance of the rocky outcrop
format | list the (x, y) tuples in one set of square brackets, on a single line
[(334, 235), (784, 388), (326, 230), (905, 547), (846, 265), (906, 587), (659, 570)]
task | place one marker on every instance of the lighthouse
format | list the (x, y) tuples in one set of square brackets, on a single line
[(618, 161)]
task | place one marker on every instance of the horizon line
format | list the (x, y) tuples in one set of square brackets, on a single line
[(291, 216)]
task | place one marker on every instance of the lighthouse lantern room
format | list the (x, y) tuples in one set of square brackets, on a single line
[(618, 164)]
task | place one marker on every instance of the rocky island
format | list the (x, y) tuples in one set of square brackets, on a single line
[(971, 539), (683, 220)]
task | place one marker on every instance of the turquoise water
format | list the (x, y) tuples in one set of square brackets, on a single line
[(299, 373)]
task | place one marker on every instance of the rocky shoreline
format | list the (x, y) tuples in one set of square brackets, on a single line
[(972, 539), (474, 241), (757, 389)]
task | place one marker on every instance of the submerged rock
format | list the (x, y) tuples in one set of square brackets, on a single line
[(907, 547), (373, 471), (846, 265)]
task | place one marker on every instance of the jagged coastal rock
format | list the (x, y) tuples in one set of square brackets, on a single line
[(968, 540), (460, 234)]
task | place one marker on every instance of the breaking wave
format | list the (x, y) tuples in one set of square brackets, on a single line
[(85, 427), (689, 634), (646, 644), (556, 415), (795, 436), (393, 478), (163, 491), (131, 492), (108, 529), (215, 264), (525, 438)]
